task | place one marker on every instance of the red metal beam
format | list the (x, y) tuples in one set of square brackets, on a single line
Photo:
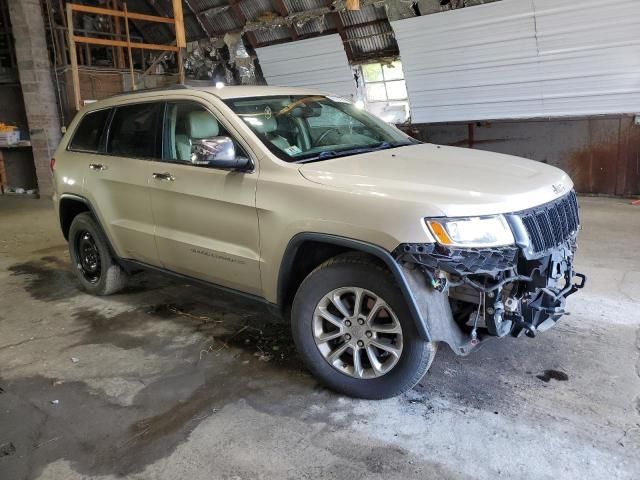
[(335, 16), (240, 17), (282, 10)]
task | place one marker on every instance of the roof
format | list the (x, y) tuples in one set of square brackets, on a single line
[(366, 33)]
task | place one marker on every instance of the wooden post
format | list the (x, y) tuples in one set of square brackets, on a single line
[(75, 76), (181, 39), (126, 28), (353, 5)]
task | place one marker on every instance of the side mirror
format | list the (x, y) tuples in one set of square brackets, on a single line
[(218, 152)]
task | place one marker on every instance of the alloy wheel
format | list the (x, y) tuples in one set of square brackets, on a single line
[(357, 332)]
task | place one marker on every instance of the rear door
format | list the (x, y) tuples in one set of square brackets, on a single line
[(206, 219), (117, 181)]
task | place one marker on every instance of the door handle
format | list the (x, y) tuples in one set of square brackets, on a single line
[(97, 166), (166, 177)]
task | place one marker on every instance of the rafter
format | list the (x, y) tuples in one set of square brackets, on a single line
[(240, 17), (197, 17), (335, 16), (282, 10)]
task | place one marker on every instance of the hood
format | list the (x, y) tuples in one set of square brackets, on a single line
[(448, 180)]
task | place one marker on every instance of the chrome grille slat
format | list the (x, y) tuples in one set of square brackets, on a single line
[(552, 224)]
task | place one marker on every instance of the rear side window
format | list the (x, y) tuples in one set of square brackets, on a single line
[(89, 132), (135, 131)]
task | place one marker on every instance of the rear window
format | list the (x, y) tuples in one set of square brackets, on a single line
[(89, 132), (135, 131)]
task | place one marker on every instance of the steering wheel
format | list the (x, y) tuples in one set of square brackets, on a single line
[(324, 134)]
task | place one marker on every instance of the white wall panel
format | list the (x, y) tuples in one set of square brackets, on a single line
[(523, 59), (319, 63)]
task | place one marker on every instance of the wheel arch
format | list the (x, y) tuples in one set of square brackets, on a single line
[(70, 206), (307, 250)]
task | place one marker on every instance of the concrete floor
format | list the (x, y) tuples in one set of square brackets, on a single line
[(176, 381)]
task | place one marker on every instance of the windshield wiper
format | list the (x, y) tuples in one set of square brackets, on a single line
[(353, 151)]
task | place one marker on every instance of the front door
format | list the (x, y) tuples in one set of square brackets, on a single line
[(206, 219)]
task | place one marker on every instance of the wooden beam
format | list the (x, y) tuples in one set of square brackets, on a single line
[(75, 75), (154, 63), (126, 29), (120, 43), (181, 39), (352, 4), (117, 13), (119, 60)]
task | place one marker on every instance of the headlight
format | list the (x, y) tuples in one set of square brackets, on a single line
[(471, 232)]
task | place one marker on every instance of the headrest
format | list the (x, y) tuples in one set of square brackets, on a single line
[(265, 125), (201, 124)]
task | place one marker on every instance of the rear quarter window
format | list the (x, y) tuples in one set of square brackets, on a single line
[(87, 136)]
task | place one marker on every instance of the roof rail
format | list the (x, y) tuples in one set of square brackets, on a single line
[(178, 86)]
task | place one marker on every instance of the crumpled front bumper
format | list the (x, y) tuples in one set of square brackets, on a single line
[(469, 295)]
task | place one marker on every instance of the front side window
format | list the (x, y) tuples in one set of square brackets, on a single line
[(187, 123), (89, 132), (135, 131), (300, 128)]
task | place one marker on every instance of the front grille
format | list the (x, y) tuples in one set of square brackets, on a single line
[(552, 224)]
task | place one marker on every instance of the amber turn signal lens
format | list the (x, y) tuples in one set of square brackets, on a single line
[(439, 232)]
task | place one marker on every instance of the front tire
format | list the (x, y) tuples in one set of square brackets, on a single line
[(354, 331), (92, 262)]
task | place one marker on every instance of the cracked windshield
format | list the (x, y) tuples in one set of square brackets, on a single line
[(311, 128)]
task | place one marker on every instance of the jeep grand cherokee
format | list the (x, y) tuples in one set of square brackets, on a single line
[(378, 247)]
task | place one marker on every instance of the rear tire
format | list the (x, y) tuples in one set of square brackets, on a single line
[(93, 264), (354, 332)]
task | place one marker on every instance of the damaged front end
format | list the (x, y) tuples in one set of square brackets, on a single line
[(472, 294)]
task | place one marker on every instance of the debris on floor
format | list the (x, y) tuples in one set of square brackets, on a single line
[(7, 449), (549, 375)]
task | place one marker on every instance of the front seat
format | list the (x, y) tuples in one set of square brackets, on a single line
[(199, 125), (267, 127)]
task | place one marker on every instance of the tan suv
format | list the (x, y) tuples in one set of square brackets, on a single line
[(380, 246)]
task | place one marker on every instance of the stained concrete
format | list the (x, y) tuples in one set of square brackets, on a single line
[(169, 381)]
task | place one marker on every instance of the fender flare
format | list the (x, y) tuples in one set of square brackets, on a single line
[(79, 198), (396, 269)]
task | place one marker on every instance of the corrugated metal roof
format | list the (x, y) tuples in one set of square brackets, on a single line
[(209, 18), (202, 5), (317, 25), (294, 6), (367, 13), (254, 8), (220, 23), (371, 39), (272, 34), (514, 59)]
